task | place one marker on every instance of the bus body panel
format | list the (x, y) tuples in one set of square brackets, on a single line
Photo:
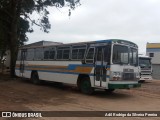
[(100, 71), (58, 77), (57, 71)]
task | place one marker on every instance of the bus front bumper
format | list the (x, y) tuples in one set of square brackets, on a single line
[(123, 85)]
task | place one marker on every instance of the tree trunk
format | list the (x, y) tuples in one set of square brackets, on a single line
[(1, 60), (13, 37)]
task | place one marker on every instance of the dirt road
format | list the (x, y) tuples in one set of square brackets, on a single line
[(22, 95)]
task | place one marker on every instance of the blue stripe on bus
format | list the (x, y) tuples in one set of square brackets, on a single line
[(57, 72), (74, 66), (70, 66)]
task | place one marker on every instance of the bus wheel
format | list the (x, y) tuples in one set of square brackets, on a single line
[(109, 90), (85, 87), (35, 78)]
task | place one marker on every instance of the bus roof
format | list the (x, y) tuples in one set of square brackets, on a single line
[(125, 42)]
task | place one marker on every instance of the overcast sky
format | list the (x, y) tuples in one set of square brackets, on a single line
[(134, 20)]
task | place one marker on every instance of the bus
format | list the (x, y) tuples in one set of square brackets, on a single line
[(145, 68), (102, 64)]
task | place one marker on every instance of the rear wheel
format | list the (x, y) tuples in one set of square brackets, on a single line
[(35, 78), (86, 87)]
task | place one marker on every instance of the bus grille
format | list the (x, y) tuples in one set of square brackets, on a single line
[(128, 76)]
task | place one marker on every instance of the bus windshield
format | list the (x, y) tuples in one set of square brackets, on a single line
[(133, 56), (144, 62), (120, 54)]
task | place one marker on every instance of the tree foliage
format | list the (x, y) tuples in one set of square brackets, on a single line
[(16, 20)]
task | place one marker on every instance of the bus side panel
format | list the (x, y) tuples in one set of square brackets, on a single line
[(27, 74), (17, 72), (92, 81), (17, 69), (58, 77), (56, 71)]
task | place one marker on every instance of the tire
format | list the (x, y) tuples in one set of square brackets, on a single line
[(35, 79), (85, 86)]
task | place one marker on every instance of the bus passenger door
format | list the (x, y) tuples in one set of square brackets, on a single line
[(22, 65), (100, 68)]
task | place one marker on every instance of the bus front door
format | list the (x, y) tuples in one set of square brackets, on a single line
[(22, 65), (100, 68)]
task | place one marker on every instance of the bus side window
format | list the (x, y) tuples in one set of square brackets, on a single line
[(133, 57), (107, 54), (81, 53), (49, 53), (46, 54), (90, 55), (39, 54), (78, 52), (66, 54), (30, 54), (63, 53), (59, 54), (52, 54), (23, 55), (74, 53), (19, 55)]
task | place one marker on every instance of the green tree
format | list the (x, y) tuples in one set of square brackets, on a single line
[(3, 33), (16, 14)]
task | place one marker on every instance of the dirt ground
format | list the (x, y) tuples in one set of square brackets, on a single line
[(22, 95)]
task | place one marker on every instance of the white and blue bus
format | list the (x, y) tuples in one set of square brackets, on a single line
[(104, 64)]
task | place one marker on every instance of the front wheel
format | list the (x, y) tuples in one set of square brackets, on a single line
[(86, 87)]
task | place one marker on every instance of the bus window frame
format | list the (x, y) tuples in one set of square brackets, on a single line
[(93, 60), (120, 60), (33, 59), (109, 55), (131, 51), (61, 48), (49, 50), (35, 54), (84, 46)]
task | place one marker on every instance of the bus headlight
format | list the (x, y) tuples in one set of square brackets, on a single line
[(116, 76)]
